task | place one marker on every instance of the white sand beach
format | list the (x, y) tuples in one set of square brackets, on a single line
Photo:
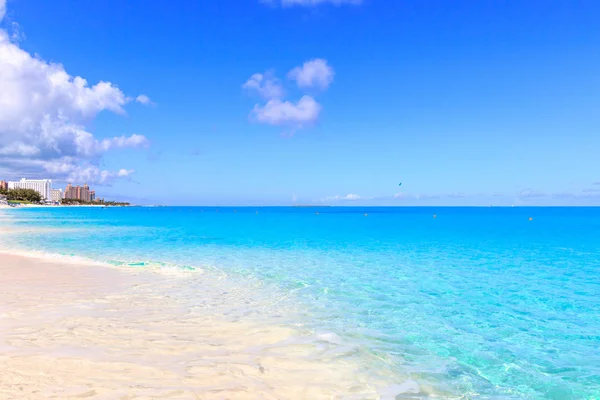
[(69, 331)]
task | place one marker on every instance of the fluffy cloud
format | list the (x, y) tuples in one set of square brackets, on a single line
[(265, 85), (276, 112), (43, 116), (124, 172), (2, 9), (84, 173), (66, 169), (19, 149), (145, 100), (122, 142), (313, 73), (279, 112), (310, 3)]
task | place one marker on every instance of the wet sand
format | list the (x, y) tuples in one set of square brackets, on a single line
[(71, 332)]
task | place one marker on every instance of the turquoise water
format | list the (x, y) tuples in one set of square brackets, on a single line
[(476, 303)]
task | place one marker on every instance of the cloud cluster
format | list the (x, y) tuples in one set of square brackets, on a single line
[(313, 74), (88, 173), (585, 193), (346, 197), (399, 197), (43, 116)]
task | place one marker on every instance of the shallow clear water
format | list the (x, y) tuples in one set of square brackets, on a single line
[(476, 302)]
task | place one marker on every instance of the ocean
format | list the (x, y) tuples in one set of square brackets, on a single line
[(444, 302)]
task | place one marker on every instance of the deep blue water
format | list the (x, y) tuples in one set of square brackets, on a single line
[(478, 302)]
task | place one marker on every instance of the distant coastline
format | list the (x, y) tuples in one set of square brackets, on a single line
[(29, 205)]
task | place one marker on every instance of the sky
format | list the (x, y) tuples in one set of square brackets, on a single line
[(337, 102)]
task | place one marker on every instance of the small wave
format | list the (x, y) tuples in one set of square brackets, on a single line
[(157, 266), (150, 264)]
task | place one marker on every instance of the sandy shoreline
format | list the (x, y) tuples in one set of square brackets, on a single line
[(69, 331)]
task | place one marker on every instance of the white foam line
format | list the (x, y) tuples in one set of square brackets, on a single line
[(168, 269), (67, 259)]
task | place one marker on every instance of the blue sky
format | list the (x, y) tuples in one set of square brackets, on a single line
[(464, 102)]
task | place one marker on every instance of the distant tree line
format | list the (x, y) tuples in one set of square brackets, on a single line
[(32, 196), (29, 195), (95, 202)]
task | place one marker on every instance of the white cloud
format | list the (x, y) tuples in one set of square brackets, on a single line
[(43, 116), (90, 174), (280, 112), (528, 193), (18, 148), (294, 198), (67, 169), (121, 142), (276, 112), (125, 172), (346, 197), (310, 3), (265, 85), (313, 73), (145, 100)]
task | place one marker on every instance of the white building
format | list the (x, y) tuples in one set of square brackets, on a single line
[(42, 186), (56, 195)]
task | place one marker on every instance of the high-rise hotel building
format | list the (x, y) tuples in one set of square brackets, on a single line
[(42, 186), (79, 193)]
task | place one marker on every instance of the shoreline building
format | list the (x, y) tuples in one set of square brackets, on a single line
[(3, 185), (42, 186), (56, 195), (82, 193)]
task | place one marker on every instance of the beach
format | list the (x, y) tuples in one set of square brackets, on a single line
[(285, 303), (70, 331)]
